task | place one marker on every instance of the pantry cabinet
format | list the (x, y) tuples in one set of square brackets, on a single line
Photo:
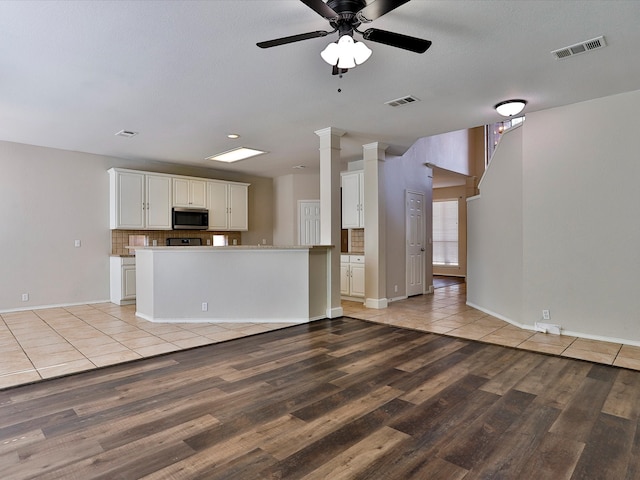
[(352, 184)]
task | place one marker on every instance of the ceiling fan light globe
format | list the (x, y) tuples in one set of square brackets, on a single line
[(331, 53), (361, 52), (346, 61)]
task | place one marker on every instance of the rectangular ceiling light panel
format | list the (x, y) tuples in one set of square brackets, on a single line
[(240, 153)]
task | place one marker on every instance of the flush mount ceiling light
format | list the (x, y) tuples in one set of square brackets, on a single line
[(346, 52), (240, 153), (509, 108), (233, 136)]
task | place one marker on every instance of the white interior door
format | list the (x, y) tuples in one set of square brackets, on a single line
[(415, 243), (309, 223)]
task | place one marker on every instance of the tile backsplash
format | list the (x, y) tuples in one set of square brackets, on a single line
[(120, 238), (357, 240)]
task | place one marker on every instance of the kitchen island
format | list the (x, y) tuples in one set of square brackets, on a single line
[(232, 284)]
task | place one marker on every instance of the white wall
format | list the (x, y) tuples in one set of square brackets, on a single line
[(399, 175), (494, 233), (50, 197), (580, 221), (288, 191)]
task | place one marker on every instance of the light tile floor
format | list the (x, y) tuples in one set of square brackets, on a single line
[(446, 312), (40, 344)]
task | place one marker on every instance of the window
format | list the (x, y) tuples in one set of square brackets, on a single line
[(445, 232)]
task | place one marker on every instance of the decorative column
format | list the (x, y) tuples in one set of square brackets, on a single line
[(375, 267), (330, 224)]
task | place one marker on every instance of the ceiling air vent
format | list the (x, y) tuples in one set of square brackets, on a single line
[(126, 133), (402, 101), (578, 48)]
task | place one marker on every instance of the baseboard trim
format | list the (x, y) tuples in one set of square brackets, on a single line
[(57, 305), (570, 333), (335, 312), (222, 320)]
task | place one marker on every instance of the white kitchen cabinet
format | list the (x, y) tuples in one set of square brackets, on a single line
[(189, 192), (139, 200), (158, 207), (228, 205), (344, 275), (352, 199), (352, 276), (123, 280)]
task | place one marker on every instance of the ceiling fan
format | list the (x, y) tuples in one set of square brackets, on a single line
[(345, 16)]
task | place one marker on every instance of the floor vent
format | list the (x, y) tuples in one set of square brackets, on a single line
[(578, 48), (402, 101)]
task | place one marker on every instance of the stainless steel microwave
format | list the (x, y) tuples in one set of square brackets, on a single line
[(189, 218)]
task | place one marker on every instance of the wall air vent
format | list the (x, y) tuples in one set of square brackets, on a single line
[(578, 48), (126, 133), (402, 101)]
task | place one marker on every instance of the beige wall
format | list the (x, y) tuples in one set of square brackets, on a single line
[(573, 216), (50, 197), (288, 191)]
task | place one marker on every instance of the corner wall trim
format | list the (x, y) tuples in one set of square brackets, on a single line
[(376, 303)]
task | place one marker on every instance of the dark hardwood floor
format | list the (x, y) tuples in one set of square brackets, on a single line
[(329, 400)]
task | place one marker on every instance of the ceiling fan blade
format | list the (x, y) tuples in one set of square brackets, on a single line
[(292, 38), (321, 9), (377, 8), (405, 42)]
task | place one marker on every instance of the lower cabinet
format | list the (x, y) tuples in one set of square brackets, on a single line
[(352, 276), (123, 280)]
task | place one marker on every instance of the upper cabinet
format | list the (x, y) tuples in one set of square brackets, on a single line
[(228, 205), (139, 200), (189, 192), (352, 199), (143, 200)]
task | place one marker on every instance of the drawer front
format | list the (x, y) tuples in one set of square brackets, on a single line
[(345, 258), (128, 260), (356, 259)]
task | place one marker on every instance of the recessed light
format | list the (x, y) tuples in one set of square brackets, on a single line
[(233, 136), (126, 133), (240, 153)]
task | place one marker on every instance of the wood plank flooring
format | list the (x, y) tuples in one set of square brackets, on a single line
[(341, 399)]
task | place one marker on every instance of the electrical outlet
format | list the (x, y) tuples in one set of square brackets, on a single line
[(77, 243), (25, 297), (205, 306), (546, 315), (395, 288)]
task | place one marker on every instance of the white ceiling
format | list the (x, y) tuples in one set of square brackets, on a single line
[(186, 73)]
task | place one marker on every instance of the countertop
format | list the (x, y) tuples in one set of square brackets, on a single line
[(235, 247)]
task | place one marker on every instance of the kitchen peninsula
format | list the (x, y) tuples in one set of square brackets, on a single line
[(232, 284)]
